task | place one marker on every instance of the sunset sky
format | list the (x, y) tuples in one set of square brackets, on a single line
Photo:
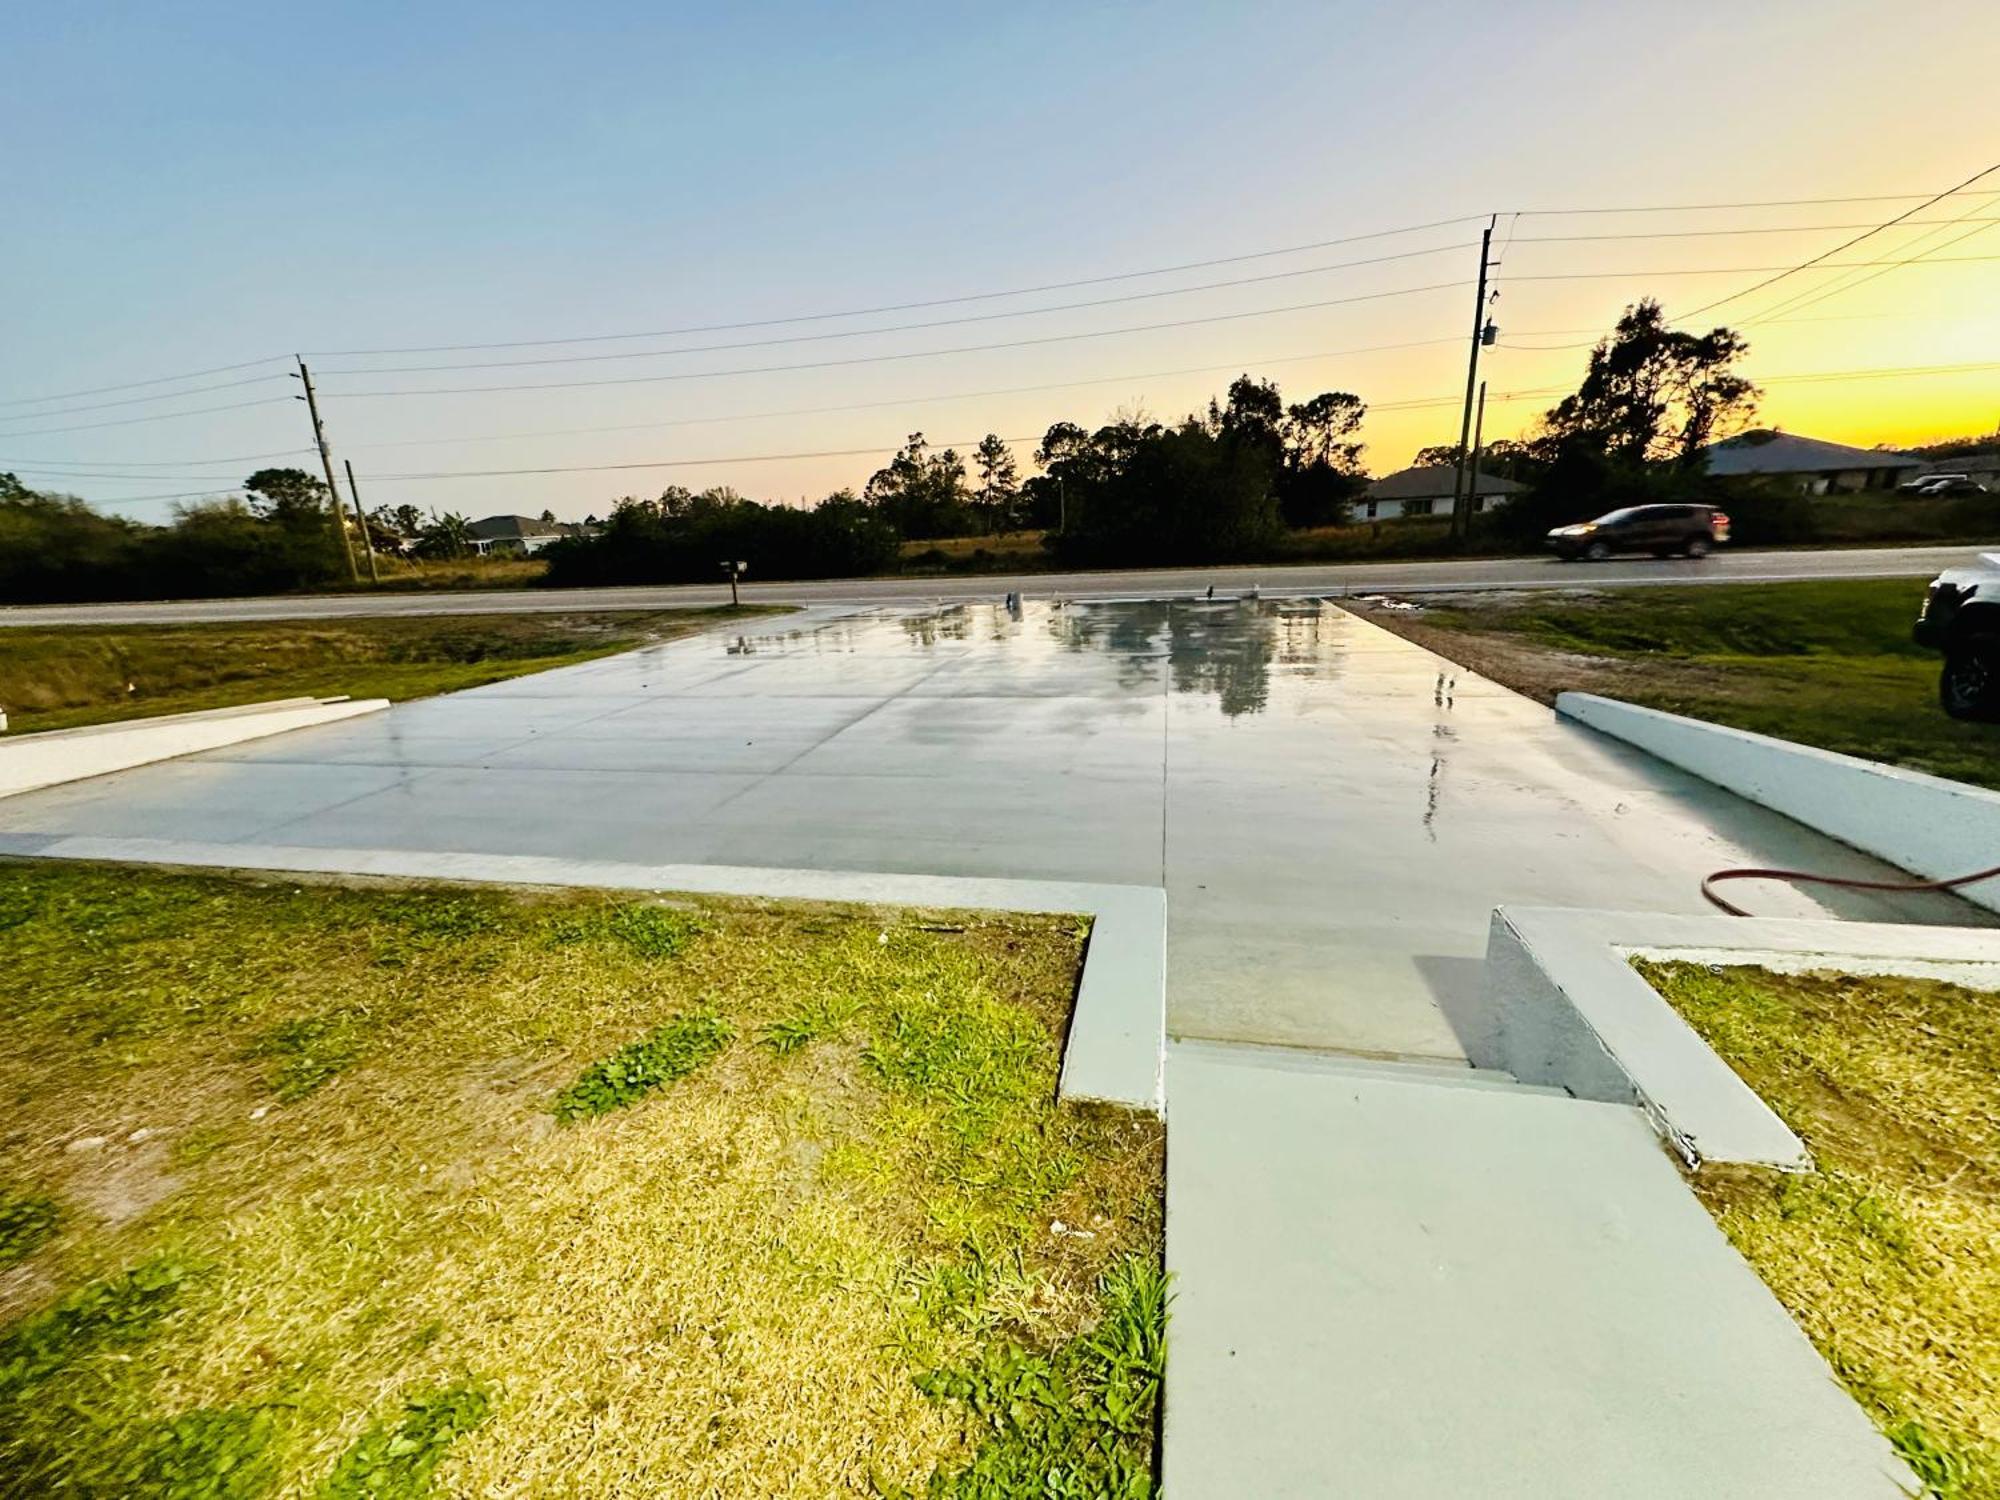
[(205, 186)]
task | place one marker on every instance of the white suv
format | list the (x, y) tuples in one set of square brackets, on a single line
[(1961, 618)]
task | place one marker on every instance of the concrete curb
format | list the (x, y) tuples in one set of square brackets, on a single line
[(1925, 824), (1565, 1007), (31, 761), (1116, 1049)]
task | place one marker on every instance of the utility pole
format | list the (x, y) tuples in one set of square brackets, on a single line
[(368, 542), (1478, 444), (326, 463), (1458, 500)]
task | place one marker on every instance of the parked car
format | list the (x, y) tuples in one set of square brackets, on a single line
[(1961, 618), (1952, 484), (1924, 481), (1663, 530)]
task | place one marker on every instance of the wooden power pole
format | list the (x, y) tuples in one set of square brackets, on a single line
[(326, 464), (1460, 506), (368, 542)]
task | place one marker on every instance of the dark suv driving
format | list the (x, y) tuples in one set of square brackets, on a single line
[(1663, 530)]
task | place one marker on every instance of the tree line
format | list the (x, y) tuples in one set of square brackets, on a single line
[(1225, 483)]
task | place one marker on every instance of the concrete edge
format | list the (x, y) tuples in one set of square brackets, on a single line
[(1567, 1008), (30, 762), (158, 721), (1116, 1049), (1925, 824)]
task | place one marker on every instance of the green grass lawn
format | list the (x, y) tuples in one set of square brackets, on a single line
[(87, 674), (1825, 663), (1888, 1254), (329, 1190)]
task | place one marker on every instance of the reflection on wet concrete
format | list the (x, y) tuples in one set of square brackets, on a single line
[(1229, 650)]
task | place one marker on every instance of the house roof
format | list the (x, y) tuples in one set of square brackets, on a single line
[(1434, 482), (514, 528), (1766, 452)]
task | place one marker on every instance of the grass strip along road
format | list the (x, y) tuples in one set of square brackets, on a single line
[(64, 676)]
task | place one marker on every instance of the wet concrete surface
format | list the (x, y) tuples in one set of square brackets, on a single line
[(1333, 811)]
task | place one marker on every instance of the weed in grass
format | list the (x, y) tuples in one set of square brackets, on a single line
[(309, 1051), (789, 1035), (27, 1222), (635, 1070), (1073, 1424), (211, 1453), (1944, 1471), (648, 931), (429, 917), (119, 1310), (18, 904), (823, 1018), (396, 1460)]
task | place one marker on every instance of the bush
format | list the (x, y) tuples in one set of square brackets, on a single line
[(55, 549)]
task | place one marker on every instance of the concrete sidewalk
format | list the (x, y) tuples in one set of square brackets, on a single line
[(1393, 1283)]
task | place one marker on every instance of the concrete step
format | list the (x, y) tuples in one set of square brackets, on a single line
[(1386, 1286), (1346, 1065)]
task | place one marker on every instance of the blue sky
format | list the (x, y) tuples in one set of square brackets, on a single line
[(197, 185)]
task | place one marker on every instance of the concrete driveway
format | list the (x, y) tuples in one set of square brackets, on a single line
[(1333, 812)]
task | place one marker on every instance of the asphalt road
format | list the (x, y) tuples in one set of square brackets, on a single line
[(1333, 579)]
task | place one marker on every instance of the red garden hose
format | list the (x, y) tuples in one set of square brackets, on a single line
[(1806, 877)]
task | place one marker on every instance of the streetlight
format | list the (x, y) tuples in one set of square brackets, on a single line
[(734, 570)]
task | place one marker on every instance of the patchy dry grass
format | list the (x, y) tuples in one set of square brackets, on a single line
[(1888, 1255), (293, 1214)]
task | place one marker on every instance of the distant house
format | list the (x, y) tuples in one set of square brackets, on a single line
[(1427, 491), (521, 533), (1815, 466)]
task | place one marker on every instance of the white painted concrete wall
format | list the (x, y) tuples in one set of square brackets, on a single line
[(1564, 1007), (1924, 824), (30, 761)]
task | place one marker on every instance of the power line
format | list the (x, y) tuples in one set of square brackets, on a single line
[(854, 333), (891, 307), (165, 416), (868, 359), (208, 494), (1825, 256), (1071, 285), (196, 390), (845, 406), (1681, 208), (1071, 337), (133, 385), (849, 333), (1698, 234), (48, 464), (1848, 282)]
